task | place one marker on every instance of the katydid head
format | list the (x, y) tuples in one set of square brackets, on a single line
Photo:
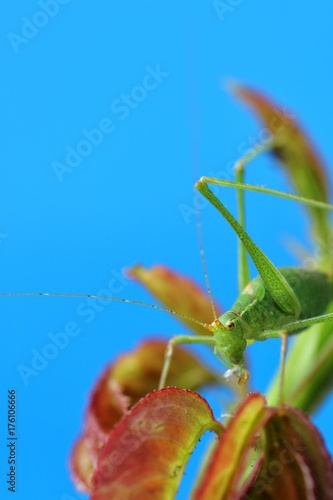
[(230, 342)]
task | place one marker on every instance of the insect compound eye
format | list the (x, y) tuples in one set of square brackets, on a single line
[(230, 325)]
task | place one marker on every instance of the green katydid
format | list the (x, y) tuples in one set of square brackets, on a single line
[(278, 303)]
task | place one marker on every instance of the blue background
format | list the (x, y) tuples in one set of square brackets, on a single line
[(121, 204)]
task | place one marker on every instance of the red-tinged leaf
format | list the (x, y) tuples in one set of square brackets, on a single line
[(107, 406), (177, 292), (136, 374), (293, 147), (292, 463), (296, 464), (314, 451), (146, 454), (224, 475), (82, 466), (123, 384), (295, 152)]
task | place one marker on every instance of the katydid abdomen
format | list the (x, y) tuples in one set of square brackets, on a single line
[(257, 308)]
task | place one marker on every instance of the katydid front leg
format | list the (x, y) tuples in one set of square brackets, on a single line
[(242, 374), (180, 339)]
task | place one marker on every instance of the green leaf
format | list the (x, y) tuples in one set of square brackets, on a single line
[(146, 454), (309, 369)]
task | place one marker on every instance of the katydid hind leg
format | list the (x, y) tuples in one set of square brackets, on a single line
[(243, 266), (272, 192), (276, 284), (295, 325)]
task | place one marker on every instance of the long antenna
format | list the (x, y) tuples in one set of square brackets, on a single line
[(194, 135), (205, 325), (202, 254)]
